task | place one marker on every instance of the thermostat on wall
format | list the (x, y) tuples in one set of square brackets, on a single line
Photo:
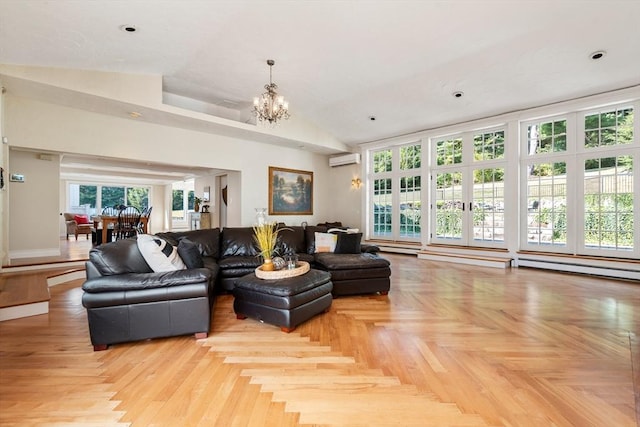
[(16, 177)]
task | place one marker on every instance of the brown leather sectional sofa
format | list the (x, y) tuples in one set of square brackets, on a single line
[(127, 301)]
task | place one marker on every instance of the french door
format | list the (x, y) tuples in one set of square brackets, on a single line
[(468, 188)]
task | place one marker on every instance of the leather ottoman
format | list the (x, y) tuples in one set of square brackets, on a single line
[(283, 302), (353, 274)]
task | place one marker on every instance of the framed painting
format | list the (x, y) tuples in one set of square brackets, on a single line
[(290, 192)]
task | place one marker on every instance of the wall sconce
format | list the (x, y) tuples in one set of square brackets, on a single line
[(356, 183)]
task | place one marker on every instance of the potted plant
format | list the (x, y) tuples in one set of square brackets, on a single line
[(266, 236)]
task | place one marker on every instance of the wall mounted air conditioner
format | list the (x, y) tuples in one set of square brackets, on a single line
[(346, 159)]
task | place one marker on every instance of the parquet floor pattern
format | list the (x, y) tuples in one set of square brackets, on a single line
[(451, 345)]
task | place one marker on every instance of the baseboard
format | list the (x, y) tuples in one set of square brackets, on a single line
[(398, 249), (24, 310), (582, 268), (66, 277), (35, 253), (33, 267)]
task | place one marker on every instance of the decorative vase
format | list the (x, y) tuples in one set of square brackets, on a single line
[(196, 207), (267, 265), (261, 216)]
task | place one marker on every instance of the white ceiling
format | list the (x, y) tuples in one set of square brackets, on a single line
[(340, 62)]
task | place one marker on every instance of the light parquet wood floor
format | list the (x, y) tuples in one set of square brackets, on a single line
[(451, 345)]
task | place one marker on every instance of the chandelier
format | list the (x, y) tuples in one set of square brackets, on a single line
[(271, 107)]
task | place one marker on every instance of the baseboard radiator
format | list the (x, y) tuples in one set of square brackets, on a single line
[(616, 270)]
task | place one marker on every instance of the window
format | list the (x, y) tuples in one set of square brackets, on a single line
[(138, 197), (488, 204), (93, 198), (449, 151), (396, 205), (177, 204), (547, 137), (410, 191), (382, 205), (449, 206), (608, 203), (488, 146), (112, 196), (608, 128), (579, 183), (608, 182), (182, 201), (546, 204)]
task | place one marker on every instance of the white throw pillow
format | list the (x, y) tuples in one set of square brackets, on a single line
[(159, 254), (325, 242)]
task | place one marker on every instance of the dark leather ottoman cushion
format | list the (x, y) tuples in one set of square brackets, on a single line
[(360, 274), (284, 287), (282, 301), (283, 293), (331, 261)]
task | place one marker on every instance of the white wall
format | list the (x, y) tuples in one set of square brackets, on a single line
[(38, 125), (4, 199), (34, 217), (345, 198)]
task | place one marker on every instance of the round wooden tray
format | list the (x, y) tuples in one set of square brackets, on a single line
[(302, 267)]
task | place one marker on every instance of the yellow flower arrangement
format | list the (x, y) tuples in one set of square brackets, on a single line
[(265, 236)]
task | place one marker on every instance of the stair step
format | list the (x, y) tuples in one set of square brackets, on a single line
[(27, 294), (469, 259)]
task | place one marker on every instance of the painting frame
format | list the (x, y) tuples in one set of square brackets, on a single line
[(290, 191)]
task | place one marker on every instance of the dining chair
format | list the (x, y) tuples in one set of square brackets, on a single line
[(146, 213), (128, 220), (110, 211)]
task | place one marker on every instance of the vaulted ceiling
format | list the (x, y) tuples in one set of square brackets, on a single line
[(340, 63)]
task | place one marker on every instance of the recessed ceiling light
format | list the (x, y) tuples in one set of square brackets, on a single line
[(128, 28), (597, 55), (372, 118), (458, 94)]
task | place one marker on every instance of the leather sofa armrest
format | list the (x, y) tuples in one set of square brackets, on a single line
[(141, 281), (368, 248)]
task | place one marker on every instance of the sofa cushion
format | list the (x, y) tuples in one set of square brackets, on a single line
[(159, 254), (207, 239), (291, 240), (348, 243), (119, 257), (233, 262), (190, 253), (325, 242), (142, 281), (310, 238), (334, 224), (238, 241)]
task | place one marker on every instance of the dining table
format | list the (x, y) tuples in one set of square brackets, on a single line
[(108, 219)]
